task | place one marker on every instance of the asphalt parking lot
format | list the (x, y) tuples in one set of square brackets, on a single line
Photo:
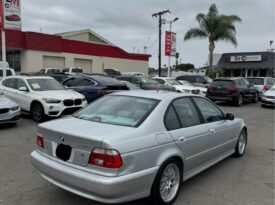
[(245, 181)]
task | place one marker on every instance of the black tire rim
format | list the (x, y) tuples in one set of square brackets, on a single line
[(37, 113)]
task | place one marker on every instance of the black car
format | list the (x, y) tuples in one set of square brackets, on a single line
[(94, 86), (145, 83), (235, 90), (197, 80)]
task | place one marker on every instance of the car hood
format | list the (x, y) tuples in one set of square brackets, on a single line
[(270, 93), (6, 102), (59, 94), (83, 128)]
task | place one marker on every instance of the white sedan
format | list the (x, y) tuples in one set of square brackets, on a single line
[(268, 98), (42, 96), (182, 88)]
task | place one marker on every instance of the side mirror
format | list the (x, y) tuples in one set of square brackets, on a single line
[(230, 116), (24, 89)]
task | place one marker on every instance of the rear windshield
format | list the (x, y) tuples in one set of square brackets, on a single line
[(118, 110), (77, 70), (223, 83), (105, 80), (256, 81)]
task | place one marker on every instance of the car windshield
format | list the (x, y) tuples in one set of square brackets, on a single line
[(44, 84), (208, 80), (186, 83), (118, 110), (53, 71), (223, 83), (256, 81), (148, 80), (173, 82)]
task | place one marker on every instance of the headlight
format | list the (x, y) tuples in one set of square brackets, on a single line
[(51, 100), (14, 108)]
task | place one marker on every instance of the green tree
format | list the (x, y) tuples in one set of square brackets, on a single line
[(215, 27), (185, 67)]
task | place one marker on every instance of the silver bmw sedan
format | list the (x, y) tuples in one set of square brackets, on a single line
[(136, 144)]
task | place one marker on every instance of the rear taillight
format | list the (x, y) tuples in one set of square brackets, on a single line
[(265, 88), (231, 89), (40, 141), (209, 89), (105, 158)]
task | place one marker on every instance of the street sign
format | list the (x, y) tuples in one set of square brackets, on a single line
[(170, 43), (10, 14)]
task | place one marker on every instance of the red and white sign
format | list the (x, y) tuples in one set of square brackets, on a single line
[(170, 43), (10, 14)]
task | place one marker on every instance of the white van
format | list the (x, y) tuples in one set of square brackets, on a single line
[(5, 72)]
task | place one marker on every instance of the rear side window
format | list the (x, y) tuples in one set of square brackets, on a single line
[(86, 82), (8, 73), (72, 82), (256, 81), (11, 83), (186, 112), (208, 110), (160, 81), (1, 73), (171, 120)]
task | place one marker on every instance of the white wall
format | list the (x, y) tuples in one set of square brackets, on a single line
[(32, 61)]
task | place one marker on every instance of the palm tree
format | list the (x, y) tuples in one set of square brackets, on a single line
[(215, 27)]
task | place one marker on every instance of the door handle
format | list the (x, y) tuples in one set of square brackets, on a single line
[(182, 139), (212, 131)]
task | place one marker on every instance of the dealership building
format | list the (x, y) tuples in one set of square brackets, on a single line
[(247, 64), (31, 51)]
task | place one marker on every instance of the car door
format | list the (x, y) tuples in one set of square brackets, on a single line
[(185, 126), (23, 96), (222, 132), (10, 88)]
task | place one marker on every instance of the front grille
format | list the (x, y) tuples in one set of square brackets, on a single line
[(70, 111), (4, 110), (68, 102), (195, 91), (77, 102)]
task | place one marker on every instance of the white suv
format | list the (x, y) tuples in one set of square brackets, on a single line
[(42, 96)]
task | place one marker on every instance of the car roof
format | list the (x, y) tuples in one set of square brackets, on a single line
[(29, 77), (152, 94), (258, 77), (228, 78), (164, 78)]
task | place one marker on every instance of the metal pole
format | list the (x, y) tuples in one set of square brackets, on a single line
[(160, 45), (4, 59), (169, 58)]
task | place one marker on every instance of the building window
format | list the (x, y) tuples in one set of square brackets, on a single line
[(13, 58)]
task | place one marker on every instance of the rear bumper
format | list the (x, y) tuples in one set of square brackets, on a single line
[(267, 101), (221, 97), (92, 186)]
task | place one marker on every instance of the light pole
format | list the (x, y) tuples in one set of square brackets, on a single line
[(169, 58), (159, 15)]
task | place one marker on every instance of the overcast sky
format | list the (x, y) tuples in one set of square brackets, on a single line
[(129, 23)]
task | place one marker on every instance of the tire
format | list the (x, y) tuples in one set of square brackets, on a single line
[(239, 101), (37, 112), (256, 97), (241, 144), (166, 183)]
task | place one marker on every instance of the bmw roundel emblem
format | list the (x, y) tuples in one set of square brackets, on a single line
[(62, 138)]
